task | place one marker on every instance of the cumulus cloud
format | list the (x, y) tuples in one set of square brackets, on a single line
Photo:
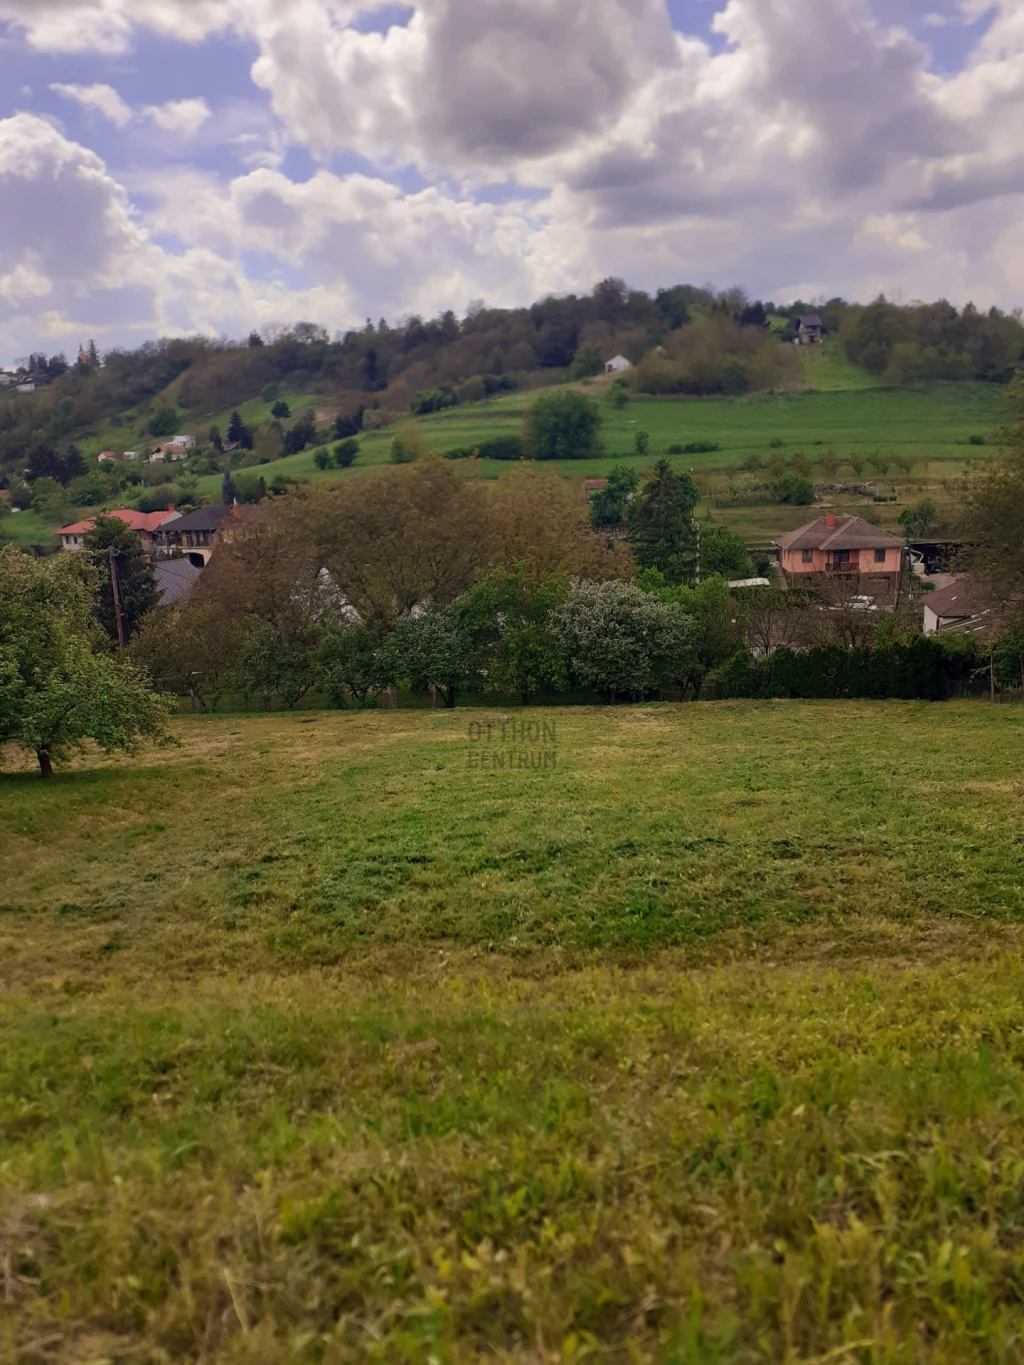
[(185, 117), (104, 99), (813, 148)]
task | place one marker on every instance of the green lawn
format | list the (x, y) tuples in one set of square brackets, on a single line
[(26, 528), (323, 1041)]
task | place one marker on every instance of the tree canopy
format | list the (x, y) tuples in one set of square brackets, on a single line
[(59, 684), (562, 426), (661, 529)]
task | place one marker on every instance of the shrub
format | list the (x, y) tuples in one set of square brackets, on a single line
[(695, 448), (280, 410), (793, 489), (976, 440), (642, 442), (434, 400), (345, 452), (408, 445), (322, 458), (163, 422), (501, 448)]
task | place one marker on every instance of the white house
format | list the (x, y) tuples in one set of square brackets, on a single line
[(618, 365), (186, 442), (130, 455)]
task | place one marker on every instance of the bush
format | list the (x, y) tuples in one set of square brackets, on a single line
[(345, 452), (642, 442), (695, 448), (562, 426), (434, 400), (322, 458), (164, 421), (794, 490), (501, 448), (281, 410), (976, 440), (408, 445)]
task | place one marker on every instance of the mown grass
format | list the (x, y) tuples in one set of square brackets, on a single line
[(318, 1044)]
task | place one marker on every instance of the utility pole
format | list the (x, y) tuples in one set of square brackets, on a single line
[(698, 555), (116, 590)]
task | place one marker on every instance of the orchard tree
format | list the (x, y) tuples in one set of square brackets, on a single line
[(661, 529), (110, 542), (433, 649), (562, 426), (59, 685)]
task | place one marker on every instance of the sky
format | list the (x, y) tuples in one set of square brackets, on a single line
[(173, 167)]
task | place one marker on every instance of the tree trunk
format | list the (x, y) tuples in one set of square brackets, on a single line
[(45, 762)]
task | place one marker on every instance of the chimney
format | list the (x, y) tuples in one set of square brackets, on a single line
[(830, 519), (235, 512), (170, 507)]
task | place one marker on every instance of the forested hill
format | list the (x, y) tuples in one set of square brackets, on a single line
[(683, 340)]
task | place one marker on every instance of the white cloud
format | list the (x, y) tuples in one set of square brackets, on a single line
[(103, 98), (185, 117), (817, 153)]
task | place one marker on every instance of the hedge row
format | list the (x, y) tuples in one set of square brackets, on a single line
[(921, 670)]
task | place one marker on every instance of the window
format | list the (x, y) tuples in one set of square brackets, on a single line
[(879, 556), (840, 557), (807, 556)]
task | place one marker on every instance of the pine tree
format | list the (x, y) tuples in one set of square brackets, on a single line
[(228, 491), (661, 529), (216, 439), (236, 429), (94, 355)]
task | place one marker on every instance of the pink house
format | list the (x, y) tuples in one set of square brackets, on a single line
[(844, 545)]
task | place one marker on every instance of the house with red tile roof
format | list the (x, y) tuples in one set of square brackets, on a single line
[(841, 545), (144, 524)]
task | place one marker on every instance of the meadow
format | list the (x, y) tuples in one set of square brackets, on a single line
[(324, 1038)]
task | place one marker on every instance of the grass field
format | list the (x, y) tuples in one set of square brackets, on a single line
[(321, 1040), (931, 425)]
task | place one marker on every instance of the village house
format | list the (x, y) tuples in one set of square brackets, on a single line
[(618, 365), (810, 331), (144, 524), (107, 455), (841, 545), (958, 606), (130, 455), (196, 534)]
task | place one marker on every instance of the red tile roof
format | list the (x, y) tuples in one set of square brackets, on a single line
[(135, 521)]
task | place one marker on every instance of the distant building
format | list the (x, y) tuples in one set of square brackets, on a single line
[(26, 388), (130, 455), (841, 546), (810, 330), (618, 365), (196, 534), (144, 524), (107, 455)]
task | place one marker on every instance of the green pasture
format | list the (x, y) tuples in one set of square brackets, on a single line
[(324, 1040), (925, 425)]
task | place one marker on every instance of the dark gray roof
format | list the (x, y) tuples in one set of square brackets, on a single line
[(174, 579), (202, 519), (810, 320)]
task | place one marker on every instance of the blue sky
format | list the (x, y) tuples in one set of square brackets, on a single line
[(211, 165)]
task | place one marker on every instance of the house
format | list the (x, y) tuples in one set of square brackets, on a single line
[(185, 443), (841, 545), (158, 456), (618, 365), (107, 455), (144, 524), (958, 606), (196, 534), (810, 330), (130, 455), (175, 579), (26, 388), (594, 485)]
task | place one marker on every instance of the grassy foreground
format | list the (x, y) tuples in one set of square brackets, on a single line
[(322, 1040)]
